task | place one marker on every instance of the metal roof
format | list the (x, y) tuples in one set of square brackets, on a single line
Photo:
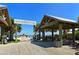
[(63, 19)]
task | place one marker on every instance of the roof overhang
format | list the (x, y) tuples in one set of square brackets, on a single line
[(52, 22)]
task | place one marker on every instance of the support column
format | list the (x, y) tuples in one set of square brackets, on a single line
[(52, 34), (39, 35), (43, 35), (73, 35), (36, 36), (2, 33), (60, 35)]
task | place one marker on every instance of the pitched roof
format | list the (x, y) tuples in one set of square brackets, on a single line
[(62, 19)]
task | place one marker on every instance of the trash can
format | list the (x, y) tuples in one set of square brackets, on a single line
[(5, 41), (4, 38)]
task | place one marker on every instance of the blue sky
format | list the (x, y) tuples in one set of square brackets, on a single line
[(31, 11)]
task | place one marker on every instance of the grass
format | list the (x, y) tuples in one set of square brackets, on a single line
[(15, 41)]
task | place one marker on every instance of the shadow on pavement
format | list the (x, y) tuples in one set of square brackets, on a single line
[(43, 44), (77, 53)]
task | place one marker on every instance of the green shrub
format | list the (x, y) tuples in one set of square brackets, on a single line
[(1, 17)]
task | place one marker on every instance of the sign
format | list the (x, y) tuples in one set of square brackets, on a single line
[(28, 22)]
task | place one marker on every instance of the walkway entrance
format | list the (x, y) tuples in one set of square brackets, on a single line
[(25, 22)]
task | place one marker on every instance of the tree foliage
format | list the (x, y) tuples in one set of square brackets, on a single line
[(15, 27)]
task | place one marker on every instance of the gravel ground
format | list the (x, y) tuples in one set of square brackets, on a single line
[(27, 48)]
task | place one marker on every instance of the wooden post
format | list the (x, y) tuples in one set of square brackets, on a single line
[(60, 34), (2, 33), (39, 35), (52, 34), (73, 35), (1, 36), (43, 34)]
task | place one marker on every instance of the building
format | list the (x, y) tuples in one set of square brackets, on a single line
[(4, 21)]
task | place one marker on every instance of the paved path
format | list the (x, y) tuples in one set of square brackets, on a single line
[(34, 48), (27, 48)]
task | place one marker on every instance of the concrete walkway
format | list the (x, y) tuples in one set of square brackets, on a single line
[(27, 48)]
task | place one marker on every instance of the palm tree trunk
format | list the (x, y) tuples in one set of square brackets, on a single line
[(2, 33), (11, 36)]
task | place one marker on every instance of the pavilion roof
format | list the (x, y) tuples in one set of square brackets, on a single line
[(58, 19), (62, 19), (52, 22)]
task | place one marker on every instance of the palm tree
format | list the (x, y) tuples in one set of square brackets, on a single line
[(13, 29), (17, 28), (10, 29), (36, 27)]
